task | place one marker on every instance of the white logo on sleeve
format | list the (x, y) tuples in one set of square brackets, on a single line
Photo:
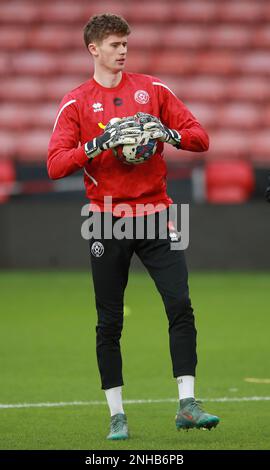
[(97, 107), (141, 96), (97, 249)]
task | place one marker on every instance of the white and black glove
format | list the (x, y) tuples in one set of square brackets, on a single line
[(117, 132), (157, 130)]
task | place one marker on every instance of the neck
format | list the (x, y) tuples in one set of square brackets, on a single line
[(106, 78)]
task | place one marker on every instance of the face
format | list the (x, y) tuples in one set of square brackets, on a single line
[(111, 53)]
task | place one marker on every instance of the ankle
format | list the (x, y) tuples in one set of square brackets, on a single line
[(186, 401)]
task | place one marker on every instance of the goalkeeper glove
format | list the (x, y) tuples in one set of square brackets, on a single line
[(117, 132), (157, 130)]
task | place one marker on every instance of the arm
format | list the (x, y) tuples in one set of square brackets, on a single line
[(179, 127), (65, 156)]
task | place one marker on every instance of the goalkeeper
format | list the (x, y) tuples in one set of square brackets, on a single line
[(82, 139)]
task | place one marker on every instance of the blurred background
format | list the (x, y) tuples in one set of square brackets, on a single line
[(213, 54)]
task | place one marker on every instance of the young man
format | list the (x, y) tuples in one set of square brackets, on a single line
[(81, 140)]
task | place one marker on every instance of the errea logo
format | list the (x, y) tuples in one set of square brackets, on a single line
[(97, 107)]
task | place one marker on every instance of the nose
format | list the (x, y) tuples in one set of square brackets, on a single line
[(123, 49)]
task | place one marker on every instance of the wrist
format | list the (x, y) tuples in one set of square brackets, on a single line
[(92, 148), (173, 137)]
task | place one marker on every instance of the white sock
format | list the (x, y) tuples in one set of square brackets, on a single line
[(185, 386), (114, 399)]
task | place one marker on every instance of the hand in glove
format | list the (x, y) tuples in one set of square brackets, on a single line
[(157, 130), (117, 132)]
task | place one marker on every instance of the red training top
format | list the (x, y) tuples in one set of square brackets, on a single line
[(85, 111)]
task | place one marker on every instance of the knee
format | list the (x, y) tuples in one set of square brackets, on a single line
[(110, 327), (180, 311), (179, 305)]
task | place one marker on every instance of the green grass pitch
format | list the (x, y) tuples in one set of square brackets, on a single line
[(47, 354)]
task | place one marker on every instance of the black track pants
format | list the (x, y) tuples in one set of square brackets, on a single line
[(110, 259)]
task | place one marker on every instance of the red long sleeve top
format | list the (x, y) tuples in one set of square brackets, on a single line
[(87, 109)]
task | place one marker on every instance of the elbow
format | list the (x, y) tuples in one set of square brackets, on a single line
[(195, 140), (52, 173), (205, 146), (205, 143)]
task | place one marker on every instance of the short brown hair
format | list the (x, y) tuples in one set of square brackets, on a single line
[(100, 27)]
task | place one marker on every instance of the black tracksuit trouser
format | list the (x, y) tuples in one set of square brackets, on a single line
[(110, 268)]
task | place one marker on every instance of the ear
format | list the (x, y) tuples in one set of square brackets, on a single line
[(93, 49)]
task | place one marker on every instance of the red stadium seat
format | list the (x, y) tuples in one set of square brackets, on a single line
[(55, 88), (22, 89), (75, 63), (19, 12), (33, 146), (255, 63), (186, 37), (117, 7), (229, 182), (226, 142), (13, 38), (34, 63), (68, 12), (266, 11), (230, 36), (217, 63), (7, 179), (261, 37), (63, 12), (204, 88), (44, 116), (249, 89), (54, 38), (8, 145), (13, 116), (205, 113), (4, 64), (147, 36), (242, 11), (265, 115), (239, 116), (150, 11), (203, 11), (260, 145), (18, 117), (172, 62)]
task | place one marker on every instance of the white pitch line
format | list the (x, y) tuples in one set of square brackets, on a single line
[(127, 402), (257, 381)]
